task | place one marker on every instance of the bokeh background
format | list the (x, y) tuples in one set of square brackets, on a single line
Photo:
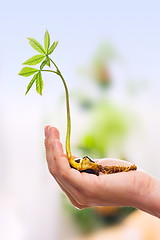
[(109, 53)]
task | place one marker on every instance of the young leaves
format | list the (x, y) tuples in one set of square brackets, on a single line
[(47, 44), (34, 60), (54, 45), (48, 61), (42, 58), (46, 41), (27, 71), (36, 45), (43, 64), (39, 83), (31, 83)]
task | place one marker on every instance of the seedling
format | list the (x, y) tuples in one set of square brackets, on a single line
[(43, 59)]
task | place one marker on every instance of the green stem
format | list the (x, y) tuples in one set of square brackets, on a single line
[(68, 134), (49, 71)]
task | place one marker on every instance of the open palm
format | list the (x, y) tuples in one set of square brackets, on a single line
[(87, 190)]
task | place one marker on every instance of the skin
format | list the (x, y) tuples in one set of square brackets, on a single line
[(136, 188)]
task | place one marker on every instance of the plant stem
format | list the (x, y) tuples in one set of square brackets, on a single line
[(86, 164), (68, 134), (49, 71)]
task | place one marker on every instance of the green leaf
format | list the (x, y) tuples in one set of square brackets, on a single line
[(54, 45), (39, 83), (48, 62), (31, 83), (43, 64), (46, 41), (34, 60), (27, 71), (36, 45)]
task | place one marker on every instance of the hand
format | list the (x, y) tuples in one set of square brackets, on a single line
[(134, 188)]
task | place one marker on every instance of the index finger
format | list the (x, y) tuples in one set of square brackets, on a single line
[(65, 172)]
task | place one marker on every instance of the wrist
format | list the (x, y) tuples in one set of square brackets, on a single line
[(148, 199), (154, 198)]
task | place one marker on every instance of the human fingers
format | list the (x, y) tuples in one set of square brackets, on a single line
[(55, 135), (70, 197), (65, 172), (61, 173), (80, 186), (75, 183), (57, 162), (60, 159), (55, 154), (113, 189), (51, 133)]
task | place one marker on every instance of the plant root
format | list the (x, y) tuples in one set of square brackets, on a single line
[(87, 165)]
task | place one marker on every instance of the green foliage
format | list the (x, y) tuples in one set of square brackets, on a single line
[(31, 83), (46, 41), (108, 124), (54, 45), (48, 61), (39, 83), (28, 71), (45, 60), (34, 60), (36, 45), (43, 64), (42, 58)]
